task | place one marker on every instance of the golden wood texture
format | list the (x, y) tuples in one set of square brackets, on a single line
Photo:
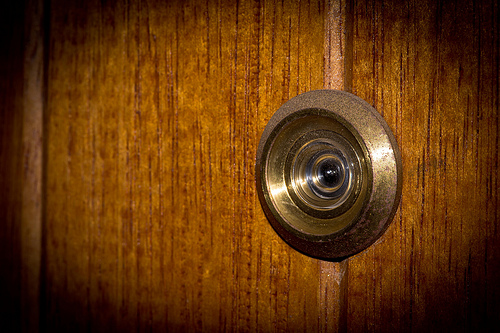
[(154, 111), (151, 215), (431, 68)]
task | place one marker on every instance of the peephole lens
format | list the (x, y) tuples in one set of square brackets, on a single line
[(330, 173), (324, 171)]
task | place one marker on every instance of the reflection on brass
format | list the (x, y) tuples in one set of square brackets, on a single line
[(328, 173)]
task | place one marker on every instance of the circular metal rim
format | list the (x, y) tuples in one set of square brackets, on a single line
[(317, 226), (368, 126)]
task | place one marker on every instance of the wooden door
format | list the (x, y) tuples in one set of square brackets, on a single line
[(148, 213)]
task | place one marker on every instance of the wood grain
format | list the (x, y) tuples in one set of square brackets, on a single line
[(31, 215), (154, 115), (154, 112), (431, 68)]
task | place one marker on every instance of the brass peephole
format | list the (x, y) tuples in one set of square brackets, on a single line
[(328, 173)]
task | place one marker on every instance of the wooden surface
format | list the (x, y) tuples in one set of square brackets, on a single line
[(34, 80), (153, 115), (431, 69)]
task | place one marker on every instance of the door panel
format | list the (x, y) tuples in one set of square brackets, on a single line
[(431, 69), (154, 115)]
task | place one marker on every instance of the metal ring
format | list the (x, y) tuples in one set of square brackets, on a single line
[(328, 173)]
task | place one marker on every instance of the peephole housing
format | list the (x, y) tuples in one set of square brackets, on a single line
[(328, 173)]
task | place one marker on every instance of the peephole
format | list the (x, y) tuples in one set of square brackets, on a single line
[(328, 173)]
